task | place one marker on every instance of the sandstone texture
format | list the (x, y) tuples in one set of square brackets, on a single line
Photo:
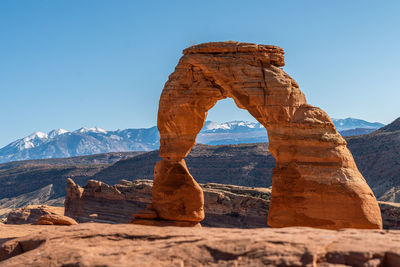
[(390, 215), (31, 213), (315, 180), (225, 205), (55, 219), (93, 244)]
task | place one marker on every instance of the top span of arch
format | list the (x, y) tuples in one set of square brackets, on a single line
[(273, 54)]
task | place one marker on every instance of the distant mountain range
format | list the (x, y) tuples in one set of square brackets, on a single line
[(87, 141)]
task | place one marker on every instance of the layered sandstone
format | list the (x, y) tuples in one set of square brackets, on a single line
[(31, 213), (55, 219), (225, 205), (390, 215), (315, 181), (92, 244)]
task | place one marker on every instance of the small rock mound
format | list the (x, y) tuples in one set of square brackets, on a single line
[(31, 213), (55, 219)]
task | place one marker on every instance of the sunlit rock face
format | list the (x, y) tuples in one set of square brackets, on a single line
[(315, 180)]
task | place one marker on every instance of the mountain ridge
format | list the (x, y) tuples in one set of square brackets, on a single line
[(60, 143)]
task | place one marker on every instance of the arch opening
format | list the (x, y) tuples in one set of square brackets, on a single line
[(226, 124)]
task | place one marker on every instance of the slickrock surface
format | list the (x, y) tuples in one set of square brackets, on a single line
[(55, 219), (225, 205), (93, 244), (31, 213), (10, 231), (315, 180)]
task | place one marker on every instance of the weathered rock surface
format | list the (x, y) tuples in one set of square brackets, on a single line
[(390, 215), (55, 219), (225, 205), (100, 202), (31, 213), (45, 195), (315, 181), (92, 244)]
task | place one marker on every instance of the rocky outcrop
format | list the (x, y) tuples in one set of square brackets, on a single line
[(225, 205), (55, 219), (100, 202), (315, 181), (92, 244), (390, 215), (31, 213), (45, 195)]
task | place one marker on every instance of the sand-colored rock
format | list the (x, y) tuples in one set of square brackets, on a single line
[(55, 219), (100, 202), (31, 213), (315, 181), (224, 205), (92, 244)]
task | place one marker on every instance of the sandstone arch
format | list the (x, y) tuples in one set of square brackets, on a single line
[(315, 180)]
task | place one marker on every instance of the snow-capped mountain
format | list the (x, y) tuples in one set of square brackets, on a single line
[(61, 143), (211, 126), (232, 132), (86, 141)]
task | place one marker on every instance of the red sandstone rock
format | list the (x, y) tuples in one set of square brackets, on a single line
[(315, 181), (99, 202), (55, 219), (224, 205), (179, 197), (31, 213), (164, 223), (145, 214), (91, 244)]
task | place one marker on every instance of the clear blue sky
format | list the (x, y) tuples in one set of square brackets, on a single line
[(68, 64)]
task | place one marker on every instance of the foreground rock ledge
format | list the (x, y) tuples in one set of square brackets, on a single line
[(93, 244)]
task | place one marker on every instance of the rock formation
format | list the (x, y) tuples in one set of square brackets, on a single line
[(315, 181), (92, 244), (55, 219), (390, 215), (225, 205), (31, 213)]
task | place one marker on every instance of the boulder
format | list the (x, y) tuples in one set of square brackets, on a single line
[(55, 219)]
